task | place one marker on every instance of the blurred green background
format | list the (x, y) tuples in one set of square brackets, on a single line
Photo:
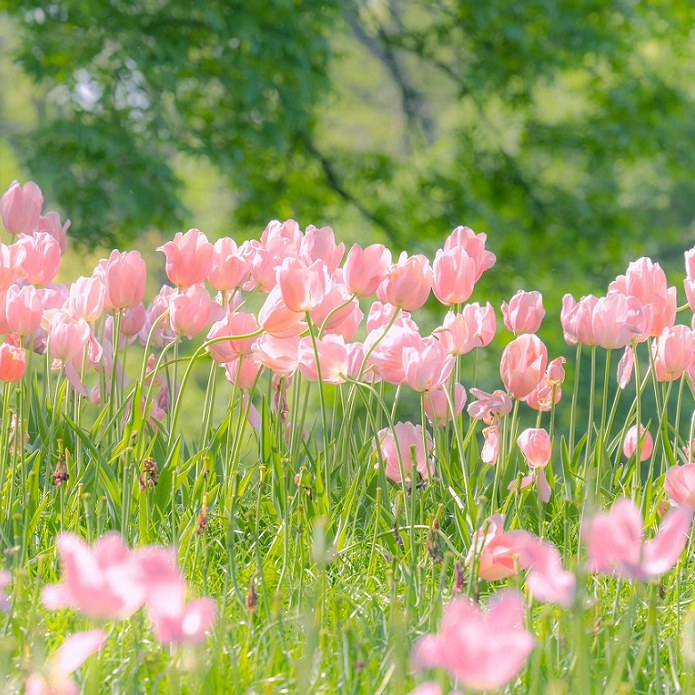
[(564, 129)]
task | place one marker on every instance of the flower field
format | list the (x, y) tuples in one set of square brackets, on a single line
[(349, 506)]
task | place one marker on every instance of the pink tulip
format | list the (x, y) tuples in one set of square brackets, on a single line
[(674, 352), (68, 336), (387, 356), (191, 310), (302, 286), (474, 327), (101, 582), (408, 283), (432, 688), (689, 282), (428, 366), (74, 651), (680, 485), (630, 443), (474, 245), (282, 238), (577, 319), (319, 245), (188, 258), (523, 364), (280, 355), (491, 445), (437, 406), (618, 320), (355, 360), (124, 275), (11, 258), (21, 208), (482, 649), (547, 580), (365, 268), (380, 315), (41, 259), (233, 324), (406, 448), (453, 276), (535, 446), (338, 313), (24, 309), (548, 391), (332, 357), (133, 321), (13, 362), (158, 319), (646, 281), (277, 319), (243, 371), (489, 406), (86, 299), (51, 224), (495, 550), (524, 313), (229, 267), (616, 544)]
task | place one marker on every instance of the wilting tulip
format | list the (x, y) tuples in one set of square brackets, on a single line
[(13, 362), (426, 367), (616, 544), (524, 313), (535, 446), (41, 259), (491, 445), (408, 283), (332, 359), (453, 276), (302, 286), (523, 364), (437, 405), (680, 485), (630, 443), (319, 245), (482, 649), (474, 327), (188, 258), (364, 269), (21, 208), (406, 448), (489, 406), (474, 245), (190, 311), (124, 275), (229, 267)]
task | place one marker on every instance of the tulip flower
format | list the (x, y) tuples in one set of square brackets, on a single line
[(474, 246), (191, 310), (616, 542), (188, 258), (453, 276), (20, 207), (364, 269), (13, 362), (24, 309), (482, 649), (535, 446), (680, 485), (474, 327), (124, 275), (332, 359), (674, 352), (524, 313), (51, 224), (302, 286), (404, 446), (229, 268), (319, 245), (408, 283), (630, 443), (437, 405), (426, 367), (523, 364)]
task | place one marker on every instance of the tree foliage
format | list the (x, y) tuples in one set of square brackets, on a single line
[(563, 126)]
